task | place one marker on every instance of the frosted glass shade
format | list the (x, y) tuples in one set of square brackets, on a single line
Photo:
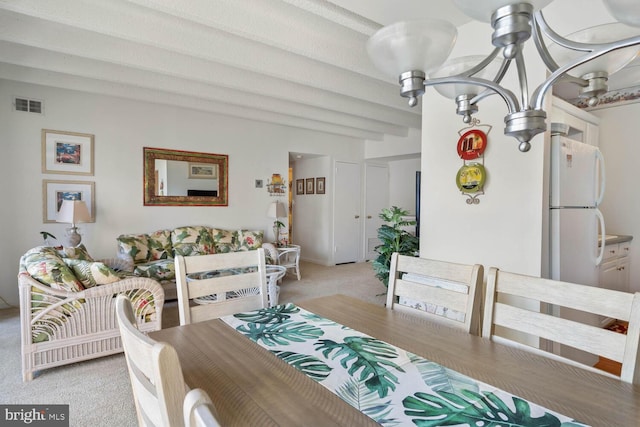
[(628, 77), (481, 10), (459, 65), (625, 11), (414, 45), (606, 33)]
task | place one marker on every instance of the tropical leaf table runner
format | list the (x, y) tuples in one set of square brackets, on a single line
[(392, 386)]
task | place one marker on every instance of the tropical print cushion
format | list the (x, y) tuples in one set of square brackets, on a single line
[(44, 264), (134, 245), (75, 252), (163, 269), (160, 245), (249, 240), (225, 240), (92, 273), (193, 240)]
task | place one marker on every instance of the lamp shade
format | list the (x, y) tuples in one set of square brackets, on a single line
[(482, 10), (276, 210), (410, 46), (456, 66), (625, 11), (606, 33), (73, 212)]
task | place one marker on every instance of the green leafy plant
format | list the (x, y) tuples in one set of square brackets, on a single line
[(45, 236), (394, 239)]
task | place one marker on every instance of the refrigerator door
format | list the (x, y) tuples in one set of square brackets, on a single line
[(577, 174), (575, 254)]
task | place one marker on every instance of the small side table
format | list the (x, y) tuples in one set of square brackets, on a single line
[(289, 257)]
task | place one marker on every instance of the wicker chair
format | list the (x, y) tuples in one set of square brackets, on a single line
[(60, 327)]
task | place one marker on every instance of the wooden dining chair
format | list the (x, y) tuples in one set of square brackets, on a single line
[(445, 292), (533, 313), (199, 411), (154, 370), (211, 286)]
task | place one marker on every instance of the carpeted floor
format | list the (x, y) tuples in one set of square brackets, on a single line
[(98, 391)]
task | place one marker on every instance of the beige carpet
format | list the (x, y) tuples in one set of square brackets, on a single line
[(98, 391)]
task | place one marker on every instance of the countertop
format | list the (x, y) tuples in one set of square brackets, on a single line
[(612, 239)]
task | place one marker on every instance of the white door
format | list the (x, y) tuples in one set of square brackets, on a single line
[(347, 216), (376, 198)]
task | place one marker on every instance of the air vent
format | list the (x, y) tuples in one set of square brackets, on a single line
[(27, 105)]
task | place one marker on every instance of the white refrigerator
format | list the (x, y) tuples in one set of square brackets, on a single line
[(577, 180)]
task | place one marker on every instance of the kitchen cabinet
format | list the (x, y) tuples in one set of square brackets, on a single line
[(615, 266)]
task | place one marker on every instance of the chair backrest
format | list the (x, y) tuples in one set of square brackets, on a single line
[(199, 411), (527, 314), (154, 371), (445, 292), (211, 286)]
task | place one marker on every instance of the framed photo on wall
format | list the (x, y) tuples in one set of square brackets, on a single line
[(67, 152), (320, 185), (299, 186), (203, 171), (310, 186), (55, 192)]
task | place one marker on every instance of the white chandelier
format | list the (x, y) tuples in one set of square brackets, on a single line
[(416, 51)]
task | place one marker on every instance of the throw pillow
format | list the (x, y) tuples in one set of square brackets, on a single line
[(160, 245), (134, 245), (75, 252), (193, 240), (225, 240), (92, 273), (249, 240), (45, 265)]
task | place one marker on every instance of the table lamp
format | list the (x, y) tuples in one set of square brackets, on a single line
[(276, 210), (72, 212)]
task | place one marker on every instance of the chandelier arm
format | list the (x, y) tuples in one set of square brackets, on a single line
[(541, 47), (522, 78), (538, 18), (603, 49), (482, 65), (509, 98)]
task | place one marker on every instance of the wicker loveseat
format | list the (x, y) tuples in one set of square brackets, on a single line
[(152, 255), (67, 306)]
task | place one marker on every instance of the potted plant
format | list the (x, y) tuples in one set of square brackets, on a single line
[(393, 239), (45, 236)]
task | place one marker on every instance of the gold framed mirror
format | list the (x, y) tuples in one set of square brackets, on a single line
[(185, 178)]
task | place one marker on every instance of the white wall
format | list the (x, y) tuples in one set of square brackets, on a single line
[(619, 127), (402, 179), (121, 128), (504, 229), (312, 213)]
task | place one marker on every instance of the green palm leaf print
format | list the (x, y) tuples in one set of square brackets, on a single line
[(367, 355), (307, 364), (472, 408), (272, 334)]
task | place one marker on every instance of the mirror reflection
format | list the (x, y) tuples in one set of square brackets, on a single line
[(184, 178)]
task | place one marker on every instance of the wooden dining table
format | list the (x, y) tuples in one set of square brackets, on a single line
[(250, 386)]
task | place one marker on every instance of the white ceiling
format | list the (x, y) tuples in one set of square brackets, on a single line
[(299, 63)]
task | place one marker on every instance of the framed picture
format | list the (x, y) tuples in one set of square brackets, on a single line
[(55, 192), (203, 171), (310, 185), (320, 185), (299, 186), (67, 152)]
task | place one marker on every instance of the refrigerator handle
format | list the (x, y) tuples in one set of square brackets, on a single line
[(603, 175), (602, 230)]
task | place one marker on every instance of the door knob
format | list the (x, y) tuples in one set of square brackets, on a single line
[(357, 216), (368, 216)]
